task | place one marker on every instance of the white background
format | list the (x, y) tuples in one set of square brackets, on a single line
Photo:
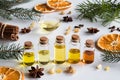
[(86, 72)]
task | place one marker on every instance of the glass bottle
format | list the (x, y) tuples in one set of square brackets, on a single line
[(44, 53), (59, 50), (74, 50), (88, 54), (28, 55)]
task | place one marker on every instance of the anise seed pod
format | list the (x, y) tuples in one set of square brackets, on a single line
[(92, 30), (36, 72), (70, 19), (28, 30)]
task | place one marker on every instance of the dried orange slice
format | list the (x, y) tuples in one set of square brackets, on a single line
[(58, 4), (109, 42), (10, 74), (43, 8)]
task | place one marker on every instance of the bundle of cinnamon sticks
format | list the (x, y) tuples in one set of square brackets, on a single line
[(9, 32)]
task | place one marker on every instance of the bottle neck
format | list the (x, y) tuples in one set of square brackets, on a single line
[(43, 46), (57, 43), (75, 45), (60, 42), (29, 50), (89, 48)]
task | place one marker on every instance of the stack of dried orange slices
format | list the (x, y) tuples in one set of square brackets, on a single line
[(52, 5), (109, 42), (7, 73)]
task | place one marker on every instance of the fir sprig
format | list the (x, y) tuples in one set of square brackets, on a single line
[(7, 12), (111, 57), (12, 51), (106, 10), (5, 4), (24, 14)]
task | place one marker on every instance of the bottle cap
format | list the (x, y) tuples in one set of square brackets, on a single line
[(89, 43), (75, 38), (43, 40), (28, 45), (59, 39)]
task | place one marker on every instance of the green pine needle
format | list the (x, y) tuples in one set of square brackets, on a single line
[(106, 10), (7, 12), (12, 51), (111, 57)]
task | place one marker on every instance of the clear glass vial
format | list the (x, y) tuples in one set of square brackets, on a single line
[(89, 51), (43, 50), (74, 49), (59, 50), (28, 55)]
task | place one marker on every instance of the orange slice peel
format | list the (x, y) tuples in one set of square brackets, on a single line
[(59, 4), (7, 73), (43, 8), (109, 42)]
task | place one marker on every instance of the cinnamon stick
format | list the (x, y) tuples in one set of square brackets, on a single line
[(9, 32)]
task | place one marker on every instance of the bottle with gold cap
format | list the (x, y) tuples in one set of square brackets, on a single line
[(28, 55), (88, 54), (59, 50), (43, 50), (74, 51)]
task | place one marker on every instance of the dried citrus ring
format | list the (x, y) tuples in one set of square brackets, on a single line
[(109, 42), (10, 74), (43, 8), (58, 4)]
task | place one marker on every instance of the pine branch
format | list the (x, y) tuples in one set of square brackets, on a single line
[(5, 4), (13, 51), (106, 10), (24, 14), (7, 12), (111, 57)]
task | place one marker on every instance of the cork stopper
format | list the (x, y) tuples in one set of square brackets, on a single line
[(28, 45), (59, 39), (75, 38), (89, 43), (43, 40)]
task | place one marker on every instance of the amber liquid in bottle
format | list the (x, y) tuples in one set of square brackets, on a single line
[(44, 56), (74, 56), (88, 56), (59, 53), (28, 58)]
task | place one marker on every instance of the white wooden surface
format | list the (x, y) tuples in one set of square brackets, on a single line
[(86, 72)]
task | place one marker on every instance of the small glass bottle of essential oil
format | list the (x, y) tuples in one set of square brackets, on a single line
[(88, 54), (44, 53), (28, 55), (59, 50), (74, 50)]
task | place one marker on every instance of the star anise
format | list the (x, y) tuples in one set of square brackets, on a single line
[(36, 72), (92, 30)]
